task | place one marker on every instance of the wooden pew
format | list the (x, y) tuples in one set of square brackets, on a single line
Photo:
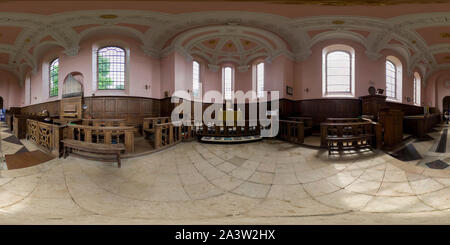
[(102, 135), (347, 135)]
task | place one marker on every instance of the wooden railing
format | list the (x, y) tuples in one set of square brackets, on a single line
[(291, 131), (343, 120), (102, 135), (364, 127), (104, 122), (249, 128), (167, 134), (149, 123), (46, 136)]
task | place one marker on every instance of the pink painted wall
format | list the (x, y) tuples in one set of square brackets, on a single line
[(436, 89), (308, 73), (167, 67), (368, 72), (143, 70), (10, 90), (174, 71)]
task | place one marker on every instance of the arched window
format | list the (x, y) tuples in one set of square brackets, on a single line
[(111, 68), (53, 77), (393, 78), (338, 71), (417, 81), (195, 78), (227, 82), (260, 79)]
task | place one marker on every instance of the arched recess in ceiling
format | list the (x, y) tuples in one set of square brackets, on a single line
[(229, 44), (110, 30)]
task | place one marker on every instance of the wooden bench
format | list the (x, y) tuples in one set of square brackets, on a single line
[(107, 149)]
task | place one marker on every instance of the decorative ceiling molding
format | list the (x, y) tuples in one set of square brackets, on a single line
[(292, 33), (192, 42)]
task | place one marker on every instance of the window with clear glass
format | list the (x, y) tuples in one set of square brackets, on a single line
[(195, 78), (53, 75), (391, 80), (227, 82), (260, 79), (338, 73), (111, 68), (417, 82)]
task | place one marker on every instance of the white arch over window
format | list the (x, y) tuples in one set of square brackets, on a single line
[(338, 71), (394, 73), (195, 78), (227, 82), (417, 88)]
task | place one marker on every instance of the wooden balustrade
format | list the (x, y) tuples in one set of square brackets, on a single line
[(291, 131), (47, 136), (101, 135)]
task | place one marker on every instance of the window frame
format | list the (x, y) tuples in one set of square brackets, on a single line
[(198, 89), (397, 63), (395, 79), (231, 82), (417, 89), (350, 51), (50, 78), (125, 66), (259, 94)]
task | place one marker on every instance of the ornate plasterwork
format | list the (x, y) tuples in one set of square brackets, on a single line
[(291, 32), (227, 43)]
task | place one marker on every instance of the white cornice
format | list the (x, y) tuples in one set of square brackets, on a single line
[(291, 31)]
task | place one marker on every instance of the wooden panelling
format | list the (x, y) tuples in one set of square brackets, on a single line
[(134, 109), (320, 109)]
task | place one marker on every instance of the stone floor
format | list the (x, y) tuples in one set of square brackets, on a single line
[(432, 152), (266, 182)]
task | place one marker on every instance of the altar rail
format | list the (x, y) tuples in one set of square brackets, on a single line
[(363, 127), (102, 135), (250, 128), (292, 131), (47, 136)]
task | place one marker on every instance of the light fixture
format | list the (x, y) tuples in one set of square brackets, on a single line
[(445, 35), (108, 16), (338, 22)]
